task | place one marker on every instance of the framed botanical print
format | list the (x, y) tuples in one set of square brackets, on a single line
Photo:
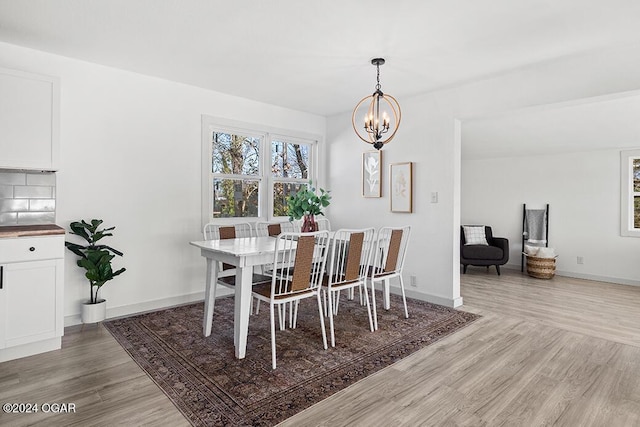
[(400, 180), (371, 174)]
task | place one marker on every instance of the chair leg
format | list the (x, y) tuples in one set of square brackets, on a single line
[(350, 294), (324, 331), (291, 313), (464, 268), (366, 298), (331, 326), (404, 298), (325, 300), (282, 316), (295, 314), (273, 335), (373, 303), (498, 269)]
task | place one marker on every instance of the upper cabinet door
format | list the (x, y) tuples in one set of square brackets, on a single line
[(29, 121)]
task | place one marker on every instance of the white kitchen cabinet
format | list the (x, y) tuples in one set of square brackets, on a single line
[(29, 121), (31, 295)]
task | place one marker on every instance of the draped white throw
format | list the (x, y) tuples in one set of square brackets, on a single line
[(535, 227)]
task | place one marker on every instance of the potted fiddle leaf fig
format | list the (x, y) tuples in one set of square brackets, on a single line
[(306, 203), (95, 258)]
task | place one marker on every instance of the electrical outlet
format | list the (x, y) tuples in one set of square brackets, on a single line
[(413, 280), (434, 197), (580, 260)]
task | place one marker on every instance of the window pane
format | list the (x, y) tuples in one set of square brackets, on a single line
[(235, 154), (235, 198), (636, 212), (290, 160), (636, 175), (281, 191)]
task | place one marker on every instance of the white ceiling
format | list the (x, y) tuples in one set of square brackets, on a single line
[(315, 56), (602, 123)]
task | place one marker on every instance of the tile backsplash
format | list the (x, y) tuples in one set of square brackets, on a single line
[(27, 197)]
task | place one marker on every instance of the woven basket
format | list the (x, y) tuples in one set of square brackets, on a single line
[(541, 268)]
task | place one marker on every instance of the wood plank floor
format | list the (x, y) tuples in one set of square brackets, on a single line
[(546, 352)]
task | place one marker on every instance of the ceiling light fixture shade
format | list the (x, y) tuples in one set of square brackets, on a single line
[(376, 117)]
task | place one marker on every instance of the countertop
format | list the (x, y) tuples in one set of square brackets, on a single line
[(30, 230)]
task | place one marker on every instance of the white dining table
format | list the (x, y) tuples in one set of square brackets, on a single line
[(244, 253)]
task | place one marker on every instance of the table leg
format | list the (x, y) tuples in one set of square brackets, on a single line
[(244, 278), (386, 292), (209, 295)]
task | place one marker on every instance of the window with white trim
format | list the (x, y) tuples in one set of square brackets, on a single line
[(235, 173), (249, 172), (290, 170), (630, 193)]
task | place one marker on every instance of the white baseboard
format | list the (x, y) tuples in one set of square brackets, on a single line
[(128, 310), (435, 299), (30, 349), (575, 275), (131, 309), (616, 280)]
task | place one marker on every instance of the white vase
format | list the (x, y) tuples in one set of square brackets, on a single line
[(93, 313)]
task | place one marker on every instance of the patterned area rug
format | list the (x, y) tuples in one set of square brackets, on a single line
[(211, 387)]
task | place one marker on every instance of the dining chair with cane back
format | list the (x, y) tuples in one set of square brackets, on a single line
[(227, 272), (387, 263), (213, 231), (305, 254), (274, 229), (348, 262), (323, 223)]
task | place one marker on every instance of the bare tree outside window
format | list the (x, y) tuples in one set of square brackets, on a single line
[(290, 171), (235, 163), (250, 173)]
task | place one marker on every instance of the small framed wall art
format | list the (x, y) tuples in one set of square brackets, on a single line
[(371, 174), (401, 187)]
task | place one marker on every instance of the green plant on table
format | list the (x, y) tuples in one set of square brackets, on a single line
[(307, 202), (93, 257)]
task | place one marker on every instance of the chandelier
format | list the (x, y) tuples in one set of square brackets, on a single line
[(380, 114)]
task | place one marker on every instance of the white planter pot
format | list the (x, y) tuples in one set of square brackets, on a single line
[(93, 313)]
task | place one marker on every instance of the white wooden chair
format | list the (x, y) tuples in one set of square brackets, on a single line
[(213, 231), (349, 262), (227, 272), (303, 256), (387, 263), (273, 229), (323, 223)]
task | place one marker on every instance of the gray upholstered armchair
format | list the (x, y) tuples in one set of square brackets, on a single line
[(496, 252)]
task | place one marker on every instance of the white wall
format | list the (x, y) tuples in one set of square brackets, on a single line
[(427, 144), (429, 136), (130, 155), (583, 192), (131, 152)]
